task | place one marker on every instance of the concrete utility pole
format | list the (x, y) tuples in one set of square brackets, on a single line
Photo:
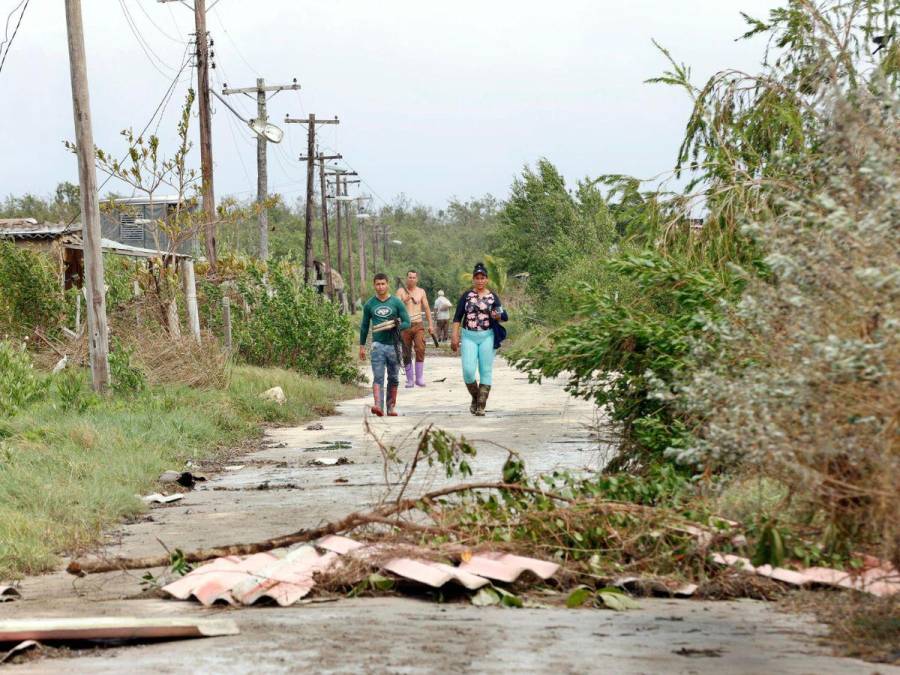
[(349, 245), (262, 187), (98, 343), (341, 202), (311, 123)]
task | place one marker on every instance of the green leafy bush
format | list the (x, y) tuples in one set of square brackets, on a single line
[(292, 326), (19, 383), (30, 294), (126, 377), (629, 342)]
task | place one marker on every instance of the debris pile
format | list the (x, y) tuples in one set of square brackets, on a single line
[(286, 576)]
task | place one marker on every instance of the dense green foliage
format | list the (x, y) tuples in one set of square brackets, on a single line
[(292, 326), (20, 385), (629, 340), (31, 296)]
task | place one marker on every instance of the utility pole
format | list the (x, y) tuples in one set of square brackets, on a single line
[(311, 123), (350, 269), (309, 209), (262, 187), (339, 200), (98, 343), (329, 283), (206, 157)]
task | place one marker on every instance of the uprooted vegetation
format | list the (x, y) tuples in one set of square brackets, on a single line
[(757, 345)]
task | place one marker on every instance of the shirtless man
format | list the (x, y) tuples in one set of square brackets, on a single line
[(417, 306)]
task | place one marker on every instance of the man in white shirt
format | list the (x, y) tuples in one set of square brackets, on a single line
[(442, 308)]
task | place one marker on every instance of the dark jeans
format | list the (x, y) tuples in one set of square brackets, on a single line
[(384, 357)]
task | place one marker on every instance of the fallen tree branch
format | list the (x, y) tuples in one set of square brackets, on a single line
[(356, 519)]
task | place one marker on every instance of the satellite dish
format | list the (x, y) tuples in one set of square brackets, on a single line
[(268, 131)]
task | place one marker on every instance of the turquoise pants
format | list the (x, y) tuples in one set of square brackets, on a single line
[(477, 348)]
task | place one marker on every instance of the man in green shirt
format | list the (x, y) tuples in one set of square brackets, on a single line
[(385, 313)]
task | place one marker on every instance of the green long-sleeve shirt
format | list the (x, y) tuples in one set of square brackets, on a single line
[(376, 311)]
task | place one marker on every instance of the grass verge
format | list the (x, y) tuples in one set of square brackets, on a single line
[(65, 474)]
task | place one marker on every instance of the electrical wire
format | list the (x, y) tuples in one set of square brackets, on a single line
[(160, 108), (8, 19), (234, 44), (156, 25), (151, 55), (15, 32)]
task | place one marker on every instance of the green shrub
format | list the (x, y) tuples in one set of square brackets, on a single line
[(292, 326), (630, 341), (30, 294), (126, 377), (19, 383)]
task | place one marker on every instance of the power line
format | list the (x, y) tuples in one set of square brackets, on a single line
[(156, 25), (8, 19), (15, 32), (231, 40), (151, 55), (162, 104)]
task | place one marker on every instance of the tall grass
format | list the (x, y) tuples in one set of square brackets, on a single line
[(65, 474)]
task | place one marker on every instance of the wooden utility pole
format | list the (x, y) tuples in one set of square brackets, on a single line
[(350, 270), (262, 186), (329, 283), (206, 157), (98, 342), (309, 203), (311, 123)]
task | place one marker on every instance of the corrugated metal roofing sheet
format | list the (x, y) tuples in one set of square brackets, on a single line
[(286, 576), (880, 580)]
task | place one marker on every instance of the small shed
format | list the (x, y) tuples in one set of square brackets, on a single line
[(135, 221), (64, 243)]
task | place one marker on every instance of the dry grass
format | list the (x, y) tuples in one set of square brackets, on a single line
[(860, 625)]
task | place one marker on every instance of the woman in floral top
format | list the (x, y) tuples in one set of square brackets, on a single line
[(477, 311)]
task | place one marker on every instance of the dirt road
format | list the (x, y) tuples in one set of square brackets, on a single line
[(277, 491)]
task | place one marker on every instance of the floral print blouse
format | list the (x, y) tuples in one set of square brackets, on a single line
[(473, 312)]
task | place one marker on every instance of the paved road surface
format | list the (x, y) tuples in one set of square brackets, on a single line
[(278, 492)]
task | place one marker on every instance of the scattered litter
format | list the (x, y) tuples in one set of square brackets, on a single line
[(9, 593), (23, 646), (330, 446), (286, 576), (274, 394), (183, 478), (157, 498), (693, 653), (234, 467), (329, 461), (318, 426), (276, 444), (443, 379), (341, 480), (60, 365), (112, 628), (657, 587), (881, 580)]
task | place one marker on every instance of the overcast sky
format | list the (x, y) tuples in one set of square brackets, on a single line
[(435, 99)]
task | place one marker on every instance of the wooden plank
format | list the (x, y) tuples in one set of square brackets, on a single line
[(113, 628)]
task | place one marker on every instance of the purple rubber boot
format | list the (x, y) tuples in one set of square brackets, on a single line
[(410, 383), (420, 373)]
